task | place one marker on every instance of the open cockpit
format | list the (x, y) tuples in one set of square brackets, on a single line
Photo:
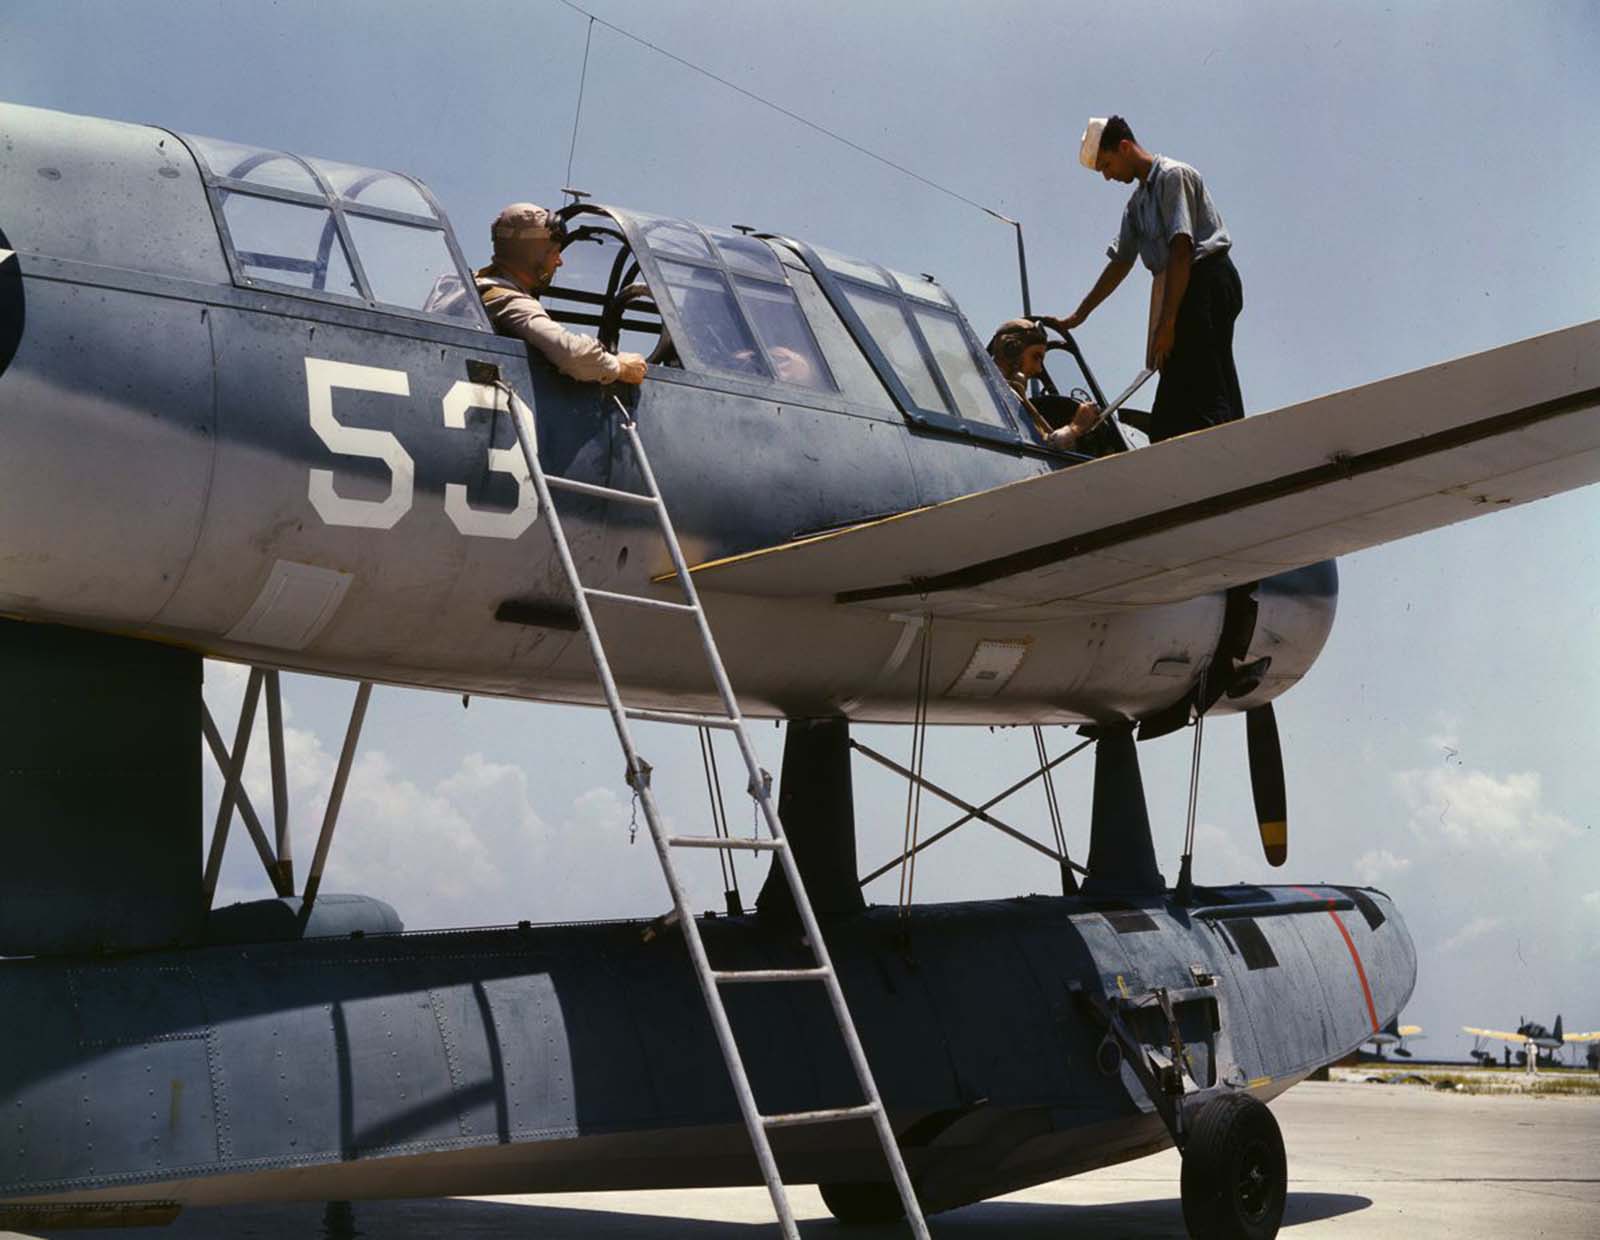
[(778, 317), (748, 313), (733, 311)]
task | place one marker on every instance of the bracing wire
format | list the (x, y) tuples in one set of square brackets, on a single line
[(1052, 803), (578, 113), (1194, 786), (1194, 766), (919, 749), (719, 812), (1069, 884), (776, 107)]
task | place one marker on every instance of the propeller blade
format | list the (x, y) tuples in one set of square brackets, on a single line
[(1266, 782)]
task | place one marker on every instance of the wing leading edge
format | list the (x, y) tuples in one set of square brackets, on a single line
[(1229, 505)]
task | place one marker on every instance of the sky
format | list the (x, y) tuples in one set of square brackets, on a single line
[(1404, 183)]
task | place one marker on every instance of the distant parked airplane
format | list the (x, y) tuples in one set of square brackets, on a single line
[(1545, 1043), (1394, 1034)]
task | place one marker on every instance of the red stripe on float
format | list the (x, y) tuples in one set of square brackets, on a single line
[(1361, 972)]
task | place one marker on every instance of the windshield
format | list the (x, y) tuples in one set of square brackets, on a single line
[(730, 305), (920, 345)]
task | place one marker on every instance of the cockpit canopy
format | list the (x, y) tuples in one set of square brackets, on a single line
[(748, 312), (334, 230), (770, 310)]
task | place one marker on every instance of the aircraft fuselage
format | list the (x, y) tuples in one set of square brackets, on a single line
[(310, 484)]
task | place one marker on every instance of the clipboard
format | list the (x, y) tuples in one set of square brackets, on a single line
[(1140, 380)]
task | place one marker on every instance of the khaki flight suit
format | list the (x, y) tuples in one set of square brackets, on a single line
[(516, 312)]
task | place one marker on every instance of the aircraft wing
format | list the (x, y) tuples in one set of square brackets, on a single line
[(1410, 1031), (1494, 1033), (1227, 505), (1581, 1037)]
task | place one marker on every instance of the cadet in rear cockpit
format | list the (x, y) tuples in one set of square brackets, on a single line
[(527, 250), (1018, 349)]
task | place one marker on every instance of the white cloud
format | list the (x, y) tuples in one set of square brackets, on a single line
[(1221, 857), (1474, 930), (1376, 864), (412, 847), (601, 809), (1591, 900), (1474, 810), (467, 848)]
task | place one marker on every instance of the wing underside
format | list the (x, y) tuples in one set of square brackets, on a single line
[(1225, 506)]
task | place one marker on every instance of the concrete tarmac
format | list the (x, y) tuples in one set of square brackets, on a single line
[(1365, 1161)]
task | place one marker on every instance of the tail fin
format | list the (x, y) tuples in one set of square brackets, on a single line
[(1556, 1032)]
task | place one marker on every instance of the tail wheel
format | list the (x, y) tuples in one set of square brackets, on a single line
[(872, 1201), (1235, 1175)]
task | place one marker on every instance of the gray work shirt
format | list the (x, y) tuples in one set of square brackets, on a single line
[(1171, 200)]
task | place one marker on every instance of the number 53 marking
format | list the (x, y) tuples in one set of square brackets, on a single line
[(323, 376)]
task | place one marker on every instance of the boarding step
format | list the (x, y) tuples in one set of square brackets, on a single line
[(837, 1115), (645, 715), (724, 841), (599, 492), (730, 976), (639, 600)]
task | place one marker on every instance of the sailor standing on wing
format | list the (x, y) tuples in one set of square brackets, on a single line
[(1171, 224)]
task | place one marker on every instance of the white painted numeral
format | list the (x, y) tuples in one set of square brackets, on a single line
[(322, 376), (467, 395)]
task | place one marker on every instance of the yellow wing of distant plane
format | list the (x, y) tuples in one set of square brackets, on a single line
[(1580, 1037), (1494, 1033), (1230, 505), (1409, 1031)]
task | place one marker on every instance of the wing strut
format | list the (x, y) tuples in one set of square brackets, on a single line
[(277, 862), (979, 813)]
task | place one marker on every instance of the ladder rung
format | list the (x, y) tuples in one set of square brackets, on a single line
[(771, 975), (599, 492), (718, 841), (678, 716), (795, 1119), (639, 600)]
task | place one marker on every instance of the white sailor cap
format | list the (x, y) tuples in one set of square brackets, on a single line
[(1089, 149)]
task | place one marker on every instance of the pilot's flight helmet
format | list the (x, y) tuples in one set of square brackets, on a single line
[(525, 226), (1011, 338)]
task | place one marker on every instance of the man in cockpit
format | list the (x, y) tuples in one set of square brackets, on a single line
[(527, 250), (1018, 349)]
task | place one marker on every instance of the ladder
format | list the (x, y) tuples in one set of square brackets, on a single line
[(756, 1123)]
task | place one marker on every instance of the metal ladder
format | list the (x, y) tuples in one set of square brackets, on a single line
[(638, 777)]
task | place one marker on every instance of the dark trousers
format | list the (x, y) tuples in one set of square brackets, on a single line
[(1199, 385)]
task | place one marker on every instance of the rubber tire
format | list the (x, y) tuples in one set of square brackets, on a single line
[(864, 1203), (1235, 1175)]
